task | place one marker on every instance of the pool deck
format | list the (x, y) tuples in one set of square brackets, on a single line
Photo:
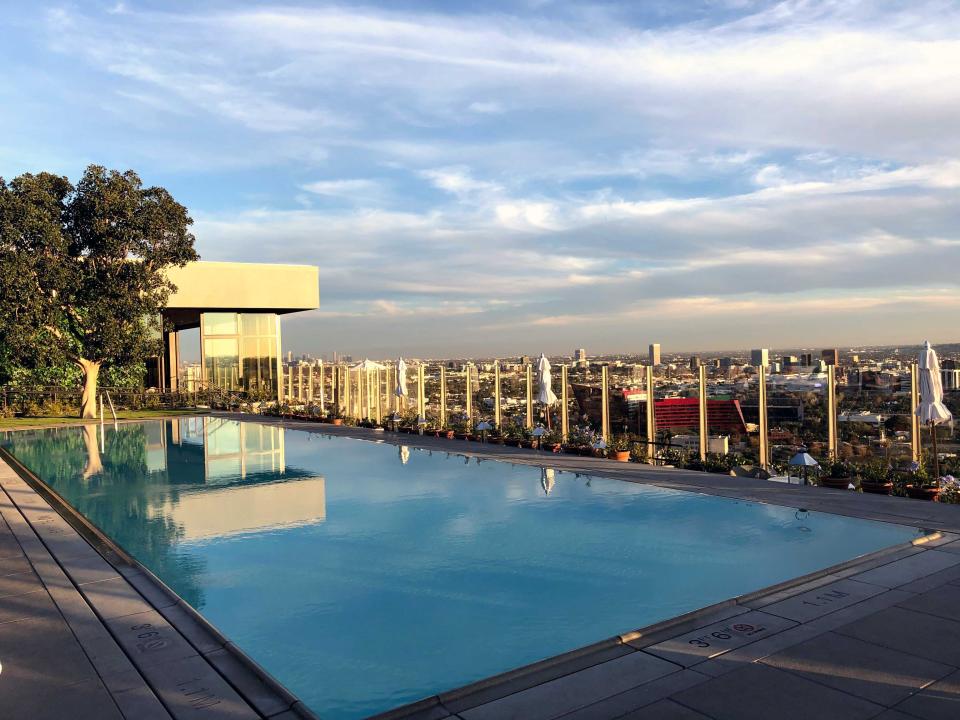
[(877, 637)]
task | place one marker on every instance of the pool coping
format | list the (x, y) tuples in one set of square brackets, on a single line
[(473, 695)]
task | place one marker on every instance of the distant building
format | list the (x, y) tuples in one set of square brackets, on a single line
[(580, 354), (951, 378), (950, 364), (654, 353), (726, 363), (695, 362), (806, 359), (760, 357), (830, 356)]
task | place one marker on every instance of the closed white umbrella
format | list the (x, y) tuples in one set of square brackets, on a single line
[(545, 394), (401, 391), (931, 409)]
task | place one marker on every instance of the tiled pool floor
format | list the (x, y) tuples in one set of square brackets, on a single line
[(874, 639)]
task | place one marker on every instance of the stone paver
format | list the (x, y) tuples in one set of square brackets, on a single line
[(943, 601), (823, 600), (665, 710), (940, 701), (707, 642), (759, 692), (909, 569), (911, 632), (881, 675), (575, 690)]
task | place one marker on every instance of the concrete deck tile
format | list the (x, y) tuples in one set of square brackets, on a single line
[(22, 607), (951, 547), (495, 688), (9, 547), (934, 580), (14, 564), (881, 675), (43, 698), (786, 593), (665, 710), (87, 568), (801, 633), (940, 701), (699, 620), (151, 592), (265, 699), (42, 647), (707, 642), (911, 632), (909, 569), (823, 600), (19, 584), (149, 639), (894, 715), (191, 688), (194, 631), (574, 691), (639, 697), (758, 692), (114, 598), (139, 703), (943, 601)]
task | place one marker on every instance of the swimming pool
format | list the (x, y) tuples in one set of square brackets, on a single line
[(363, 575)]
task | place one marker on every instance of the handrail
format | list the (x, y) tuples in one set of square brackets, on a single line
[(112, 409)]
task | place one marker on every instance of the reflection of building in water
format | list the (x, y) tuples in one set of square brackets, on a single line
[(248, 508), (240, 478)]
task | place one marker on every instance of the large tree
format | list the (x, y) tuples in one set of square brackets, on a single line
[(83, 270)]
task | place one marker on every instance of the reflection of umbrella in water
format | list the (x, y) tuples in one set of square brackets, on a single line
[(804, 460), (547, 480), (404, 454)]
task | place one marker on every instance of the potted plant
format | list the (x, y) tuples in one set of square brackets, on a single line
[(551, 441), (921, 485), (836, 474), (620, 448), (638, 452), (875, 478), (336, 417)]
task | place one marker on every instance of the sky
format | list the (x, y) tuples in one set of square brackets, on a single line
[(505, 178)]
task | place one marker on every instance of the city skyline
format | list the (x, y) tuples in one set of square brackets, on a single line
[(534, 176)]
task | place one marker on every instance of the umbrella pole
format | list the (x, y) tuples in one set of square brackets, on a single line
[(547, 408), (936, 456)]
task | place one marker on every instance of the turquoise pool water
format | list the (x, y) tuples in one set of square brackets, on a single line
[(363, 575)]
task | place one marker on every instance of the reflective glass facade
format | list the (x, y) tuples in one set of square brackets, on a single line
[(240, 351)]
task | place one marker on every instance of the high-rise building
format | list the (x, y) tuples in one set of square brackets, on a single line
[(950, 378), (830, 356), (806, 359), (580, 355), (654, 353), (760, 357), (695, 362)]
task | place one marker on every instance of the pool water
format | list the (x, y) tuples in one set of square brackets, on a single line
[(363, 575)]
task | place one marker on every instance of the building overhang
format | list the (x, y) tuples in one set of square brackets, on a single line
[(240, 287)]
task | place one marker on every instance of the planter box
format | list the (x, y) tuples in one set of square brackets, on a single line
[(876, 488), (923, 493), (337, 421), (836, 483), (622, 456)]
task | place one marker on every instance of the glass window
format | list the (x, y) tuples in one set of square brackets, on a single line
[(219, 323), (221, 359)]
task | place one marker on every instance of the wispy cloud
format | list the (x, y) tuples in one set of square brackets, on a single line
[(553, 172)]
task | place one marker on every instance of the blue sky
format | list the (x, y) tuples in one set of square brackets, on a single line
[(510, 177)]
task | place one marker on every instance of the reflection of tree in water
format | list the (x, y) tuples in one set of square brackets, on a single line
[(117, 499)]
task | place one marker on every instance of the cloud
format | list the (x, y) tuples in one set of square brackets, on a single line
[(570, 173)]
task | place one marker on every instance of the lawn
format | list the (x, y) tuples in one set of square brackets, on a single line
[(20, 423)]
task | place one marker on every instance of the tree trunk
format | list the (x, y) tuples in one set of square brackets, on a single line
[(88, 401)]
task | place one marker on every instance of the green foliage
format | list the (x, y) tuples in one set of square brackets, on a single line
[(837, 469), (82, 272)]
